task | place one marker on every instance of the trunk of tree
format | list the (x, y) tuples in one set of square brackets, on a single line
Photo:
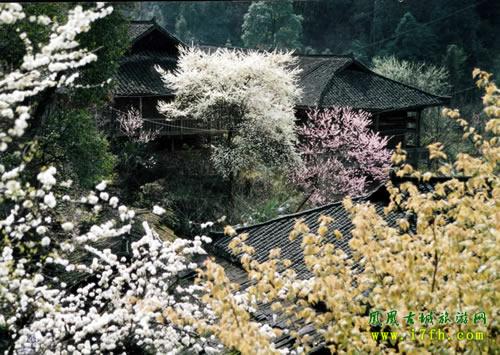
[(230, 198), (304, 202), (231, 181)]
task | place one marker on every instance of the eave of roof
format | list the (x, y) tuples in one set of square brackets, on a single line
[(326, 81), (137, 76)]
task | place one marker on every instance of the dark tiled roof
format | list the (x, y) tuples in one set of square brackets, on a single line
[(264, 313), (326, 80), (272, 234), (342, 81), (315, 69), (137, 28), (275, 233), (269, 235), (137, 75)]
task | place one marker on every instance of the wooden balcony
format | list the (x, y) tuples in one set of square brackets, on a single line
[(164, 127), (182, 127)]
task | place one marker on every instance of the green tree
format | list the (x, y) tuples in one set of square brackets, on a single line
[(206, 22), (182, 29), (455, 61), (68, 131), (272, 24), (109, 38), (412, 40), (71, 141), (461, 26), (386, 16)]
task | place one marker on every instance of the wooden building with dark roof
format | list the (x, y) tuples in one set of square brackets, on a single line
[(275, 234), (137, 83), (329, 81), (326, 81), (264, 237)]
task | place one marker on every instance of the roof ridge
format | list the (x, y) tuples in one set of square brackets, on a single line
[(155, 26), (311, 210), (323, 55), (403, 84), (142, 21)]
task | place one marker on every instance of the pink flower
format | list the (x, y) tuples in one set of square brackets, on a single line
[(341, 155)]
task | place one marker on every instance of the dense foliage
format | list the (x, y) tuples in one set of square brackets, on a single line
[(61, 291), (342, 155), (249, 95), (437, 268), (425, 29), (270, 25), (65, 121)]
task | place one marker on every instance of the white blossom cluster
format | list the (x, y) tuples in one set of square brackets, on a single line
[(249, 94), (53, 64), (123, 298), (125, 303)]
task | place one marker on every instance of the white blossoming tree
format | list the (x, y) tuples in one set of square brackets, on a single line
[(434, 271), (249, 94), (60, 292)]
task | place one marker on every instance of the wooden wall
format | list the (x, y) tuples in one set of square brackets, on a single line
[(402, 126)]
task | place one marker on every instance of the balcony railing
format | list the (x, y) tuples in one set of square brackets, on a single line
[(164, 127), (182, 127)]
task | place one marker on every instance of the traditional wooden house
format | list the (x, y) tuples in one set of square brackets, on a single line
[(137, 83), (329, 81), (275, 233), (326, 81), (264, 237)]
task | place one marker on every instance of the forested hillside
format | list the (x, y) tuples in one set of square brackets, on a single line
[(441, 32)]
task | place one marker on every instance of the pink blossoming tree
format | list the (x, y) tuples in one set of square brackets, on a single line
[(341, 155)]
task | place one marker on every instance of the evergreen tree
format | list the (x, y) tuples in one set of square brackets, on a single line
[(455, 61), (386, 15), (182, 30), (412, 40), (460, 25), (272, 24), (205, 22)]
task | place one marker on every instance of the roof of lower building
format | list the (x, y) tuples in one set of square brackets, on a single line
[(275, 233), (326, 80)]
